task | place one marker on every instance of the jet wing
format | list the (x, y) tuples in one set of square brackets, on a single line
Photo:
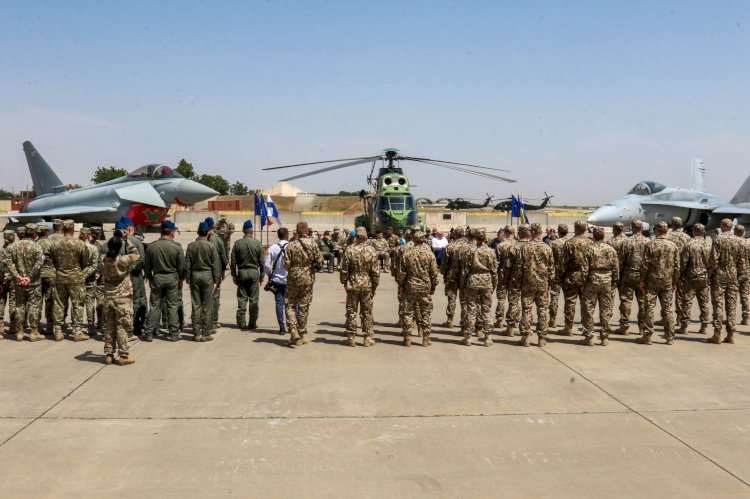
[(731, 210), (689, 205), (60, 212), (141, 192)]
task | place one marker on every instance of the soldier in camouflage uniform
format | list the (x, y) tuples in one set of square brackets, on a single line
[(556, 245), (418, 279), (202, 273), (631, 275), (89, 290), (513, 315), (360, 275), (72, 260), (140, 301), (571, 272), (380, 245), (224, 230), (680, 239), (461, 270), (7, 296), (118, 304), (694, 278), (617, 241), (725, 266), (503, 274), (24, 265), (396, 259), (661, 272), (601, 271), (48, 280), (479, 279), (744, 279), (96, 236), (165, 272), (245, 266), (449, 268), (299, 258), (532, 275)]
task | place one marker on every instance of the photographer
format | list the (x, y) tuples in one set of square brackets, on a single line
[(277, 274)]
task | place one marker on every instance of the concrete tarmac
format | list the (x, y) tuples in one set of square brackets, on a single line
[(247, 416)]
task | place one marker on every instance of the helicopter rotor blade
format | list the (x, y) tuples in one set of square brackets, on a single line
[(452, 163), (464, 170), (329, 168), (371, 158)]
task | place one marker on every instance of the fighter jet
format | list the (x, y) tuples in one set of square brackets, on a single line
[(653, 202), (143, 195)]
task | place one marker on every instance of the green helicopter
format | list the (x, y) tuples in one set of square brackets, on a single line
[(389, 203)]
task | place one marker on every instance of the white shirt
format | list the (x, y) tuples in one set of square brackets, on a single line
[(439, 243), (277, 274)]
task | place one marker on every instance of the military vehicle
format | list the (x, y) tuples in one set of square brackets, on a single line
[(462, 204), (506, 204), (144, 195), (653, 202), (389, 202)]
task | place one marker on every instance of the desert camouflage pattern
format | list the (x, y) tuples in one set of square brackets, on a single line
[(26, 259), (418, 277), (726, 265), (298, 259), (479, 277), (661, 274), (533, 274), (118, 301), (631, 275), (570, 273), (360, 275), (449, 278), (556, 246), (601, 269), (694, 279)]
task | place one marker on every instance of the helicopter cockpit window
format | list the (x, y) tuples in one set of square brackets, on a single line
[(398, 203), (155, 171), (647, 188)]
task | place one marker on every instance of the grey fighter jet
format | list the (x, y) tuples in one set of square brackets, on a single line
[(653, 202), (143, 195)]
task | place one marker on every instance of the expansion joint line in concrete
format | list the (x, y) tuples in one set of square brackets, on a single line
[(643, 416)]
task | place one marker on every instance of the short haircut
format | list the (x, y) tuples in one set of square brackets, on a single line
[(302, 228), (283, 233), (166, 232), (202, 232)]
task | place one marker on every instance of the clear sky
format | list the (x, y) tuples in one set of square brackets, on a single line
[(580, 99)]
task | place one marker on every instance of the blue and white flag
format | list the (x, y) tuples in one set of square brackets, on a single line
[(273, 211)]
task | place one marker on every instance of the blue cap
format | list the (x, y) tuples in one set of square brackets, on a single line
[(127, 221), (168, 224), (247, 225), (352, 233), (119, 225), (210, 222), (203, 227)]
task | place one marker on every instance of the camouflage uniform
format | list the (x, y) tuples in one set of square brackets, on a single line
[(224, 230), (202, 272), (7, 293), (461, 262), (571, 275), (48, 284), (118, 301), (381, 249), (418, 278), (360, 275), (299, 257), (726, 265), (694, 280), (533, 274), (631, 275), (617, 242), (680, 239), (138, 283), (744, 283), (90, 286), (661, 272), (479, 279), (396, 261), (556, 245), (513, 314), (601, 272), (503, 276), (71, 259), (26, 260), (449, 267)]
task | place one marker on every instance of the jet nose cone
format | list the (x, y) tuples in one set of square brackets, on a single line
[(191, 192), (604, 215)]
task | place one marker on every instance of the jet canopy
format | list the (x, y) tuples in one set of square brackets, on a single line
[(646, 188), (155, 171)]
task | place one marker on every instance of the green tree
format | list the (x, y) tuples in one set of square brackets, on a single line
[(215, 182), (185, 169), (5, 194), (104, 173), (238, 189)]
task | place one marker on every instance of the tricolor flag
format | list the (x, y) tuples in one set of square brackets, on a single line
[(273, 211)]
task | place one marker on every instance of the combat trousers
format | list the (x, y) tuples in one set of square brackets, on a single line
[(202, 301), (679, 298), (593, 294), (419, 306), (8, 296), (626, 304), (513, 315), (665, 300), (502, 297), (554, 300), (744, 291), (247, 297), (450, 292), (28, 301), (690, 291), (100, 306), (119, 315), (89, 301), (363, 301), (69, 291), (724, 294), (297, 307), (180, 310), (571, 295), (140, 303), (163, 293), (479, 312), (464, 304), (530, 298), (48, 295), (217, 303)]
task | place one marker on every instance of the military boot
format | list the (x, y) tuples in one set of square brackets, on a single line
[(467, 340), (524, 341), (207, 337), (567, 331), (703, 329), (448, 322), (198, 338), (552, 323), (510, 331), (488, 341), (716, 338), (541, 342), (587, 341), (174, 337), (730, 338), (368, 341), (293, 339), (19, 334), (745, 321), (681, 330), (669, 337), (109, 359), (58, 334), (644, 340), (36, 336), (604, 340), (125, 360), (406, 341), (2, 328), (499, 323), (303, 339), (349, 341), (426, 340), (79, 335), (148, 337)]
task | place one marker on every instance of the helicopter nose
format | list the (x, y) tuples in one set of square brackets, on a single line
[(191, 192), (604, 215)]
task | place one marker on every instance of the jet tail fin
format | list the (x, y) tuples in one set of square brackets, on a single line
[(697, 182), (44, 179), (743, 195)]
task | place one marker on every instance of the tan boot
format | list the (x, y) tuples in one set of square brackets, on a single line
[(567, 331), (449, 322), (19, 336), (349, 341), (58, 334), (369, 341), (80, 336), (524, 341), (623, 329), (499, 324), (587, 341), (681, 330), (293, 339), (125, 360), (467, 340), (703, 329), (604, 341), (406, 341), (716, 338), (542, 341), (644, 340), (745, 321), (510, 331), (2, 329), (487, 341), (426, 341), (730, 338), (109, 359), (36, 336)]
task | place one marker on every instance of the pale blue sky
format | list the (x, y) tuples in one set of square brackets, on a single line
[(581, 98)]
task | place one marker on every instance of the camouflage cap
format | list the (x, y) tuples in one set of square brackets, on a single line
[(535, 227), (361, 232), (414, 228), (563, 228), (336, 228), (739, 228), (580, 225), (699, 228), (418, 235), (509, 229), (223, 215), (86, 230), (479, 232), (523, 229), (8, 234), (618, 225), (598, 231), (459, 231), (31, 228), (57, 221), (96, 228), (636, 224), (726, 223), (42, 227), (68, 224), (676, 221), (660, 225), (21, 231)]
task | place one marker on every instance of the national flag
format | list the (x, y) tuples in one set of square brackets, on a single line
[(260, 209), (515, 207), (522, 210), (272, 209)]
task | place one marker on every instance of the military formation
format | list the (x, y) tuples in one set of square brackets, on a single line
[(65, 280)]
